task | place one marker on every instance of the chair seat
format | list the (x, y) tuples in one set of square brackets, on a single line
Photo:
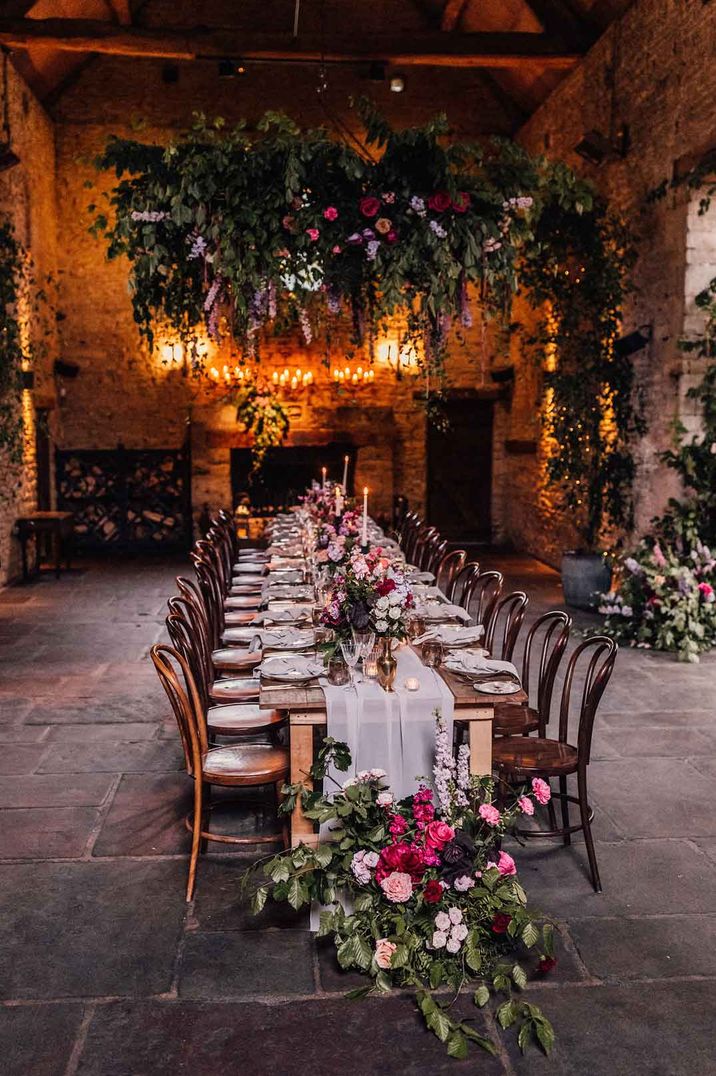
[(511, 720), (245, 572), (233, 657), (246, 590), (236, 617), (250, 764), (520, 755), (231, 720), (232, 690), (242, 636), (242, 601)]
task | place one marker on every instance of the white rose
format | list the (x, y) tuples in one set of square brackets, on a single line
[(371, 860), (381, 626), (453, 945), (455, 916), (377, 774), (385, 799), (459, 932), (394, 613), (442, 921), (439, 940)]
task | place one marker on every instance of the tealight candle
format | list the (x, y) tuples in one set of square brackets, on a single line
[(412, 684)]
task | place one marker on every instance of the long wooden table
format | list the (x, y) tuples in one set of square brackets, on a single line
[(306, 708)]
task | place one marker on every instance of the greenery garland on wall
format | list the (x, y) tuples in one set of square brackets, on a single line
[(12, 278), (238, 234)]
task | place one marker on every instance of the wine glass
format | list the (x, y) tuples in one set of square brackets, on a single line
[(351, 651), (365, 639)]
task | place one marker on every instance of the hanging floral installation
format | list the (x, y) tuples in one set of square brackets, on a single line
[(238, 234)]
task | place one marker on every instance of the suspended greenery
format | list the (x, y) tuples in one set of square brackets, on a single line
[(237, 234), (264, 417), (12, 270)]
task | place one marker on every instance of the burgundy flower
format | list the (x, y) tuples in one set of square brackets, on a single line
[(400, 858), (439, 202), (398, 825), (423, 812), (546, 964), (392, 236), (385, 587), (500, 923), (461, 202), (433, 892), (369, 206)]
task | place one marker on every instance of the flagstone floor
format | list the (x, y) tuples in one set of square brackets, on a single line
[(104, 971)]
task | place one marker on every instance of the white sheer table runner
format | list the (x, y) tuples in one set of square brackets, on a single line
[(392, 731)]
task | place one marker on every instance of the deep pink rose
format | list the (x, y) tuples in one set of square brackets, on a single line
[(506, 865), (461, 202), (336, 249), (397, 887), (437, 834), (440, 201), (542, 791), (398, 825), (402, 858), (330, 213), (433, 892), (369, 206), (706, 589), (489, 814), (526, 805), (392, 236), (312, 233)]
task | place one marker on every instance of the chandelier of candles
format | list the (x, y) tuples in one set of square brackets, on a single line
[(299, 379), (353, 377)]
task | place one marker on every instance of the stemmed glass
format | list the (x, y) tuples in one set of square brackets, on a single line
[(366, 640), (352, 651)]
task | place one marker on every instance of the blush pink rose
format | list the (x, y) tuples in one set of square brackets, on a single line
[(526, 805), (384, 950), (506, 864), (437, 834), (397, 887), (542, 791), (489, 814)]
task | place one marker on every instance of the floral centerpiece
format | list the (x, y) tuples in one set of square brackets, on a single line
[(666, 601), (335, 541), (369, 594), (419, 893)]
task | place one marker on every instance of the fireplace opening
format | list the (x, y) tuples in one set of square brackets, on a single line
[(286, 472)]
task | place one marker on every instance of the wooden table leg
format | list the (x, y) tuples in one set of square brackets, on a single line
[(481, 742), (301, 751)]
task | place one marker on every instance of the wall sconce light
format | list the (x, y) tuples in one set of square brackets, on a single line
[(402, 360), (299, 379), (397, 84), (347, 377), (172, 353)]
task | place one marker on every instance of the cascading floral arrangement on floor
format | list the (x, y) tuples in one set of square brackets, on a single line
[(419, 893)]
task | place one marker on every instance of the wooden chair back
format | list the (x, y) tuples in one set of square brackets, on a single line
[(506, 624), (553, 628), (481, 595), (188, 636), (177, 680), (450, 566), (433, 553), (595, 657)]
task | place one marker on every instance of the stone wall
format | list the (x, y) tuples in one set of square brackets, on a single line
[(27, 198), (652, 71)]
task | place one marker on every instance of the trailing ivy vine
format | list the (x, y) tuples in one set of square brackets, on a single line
[(239, 234), (12, 270)]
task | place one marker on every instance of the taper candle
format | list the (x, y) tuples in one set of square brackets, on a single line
[(365, 516), (323, 477), (345, 476)]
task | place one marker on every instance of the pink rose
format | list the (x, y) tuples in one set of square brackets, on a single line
[(506, 864), (437, 834), (526, 805), (360, 870), (397, 887), (392, 236), (489, 814), (337, 249), (542, 791), (706, 590), (313, 234), (384, 950), (330, 213)]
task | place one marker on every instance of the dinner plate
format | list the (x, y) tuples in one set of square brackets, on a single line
[(287, 640), (497, 687)]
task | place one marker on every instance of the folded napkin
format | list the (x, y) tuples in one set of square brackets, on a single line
[(295, 614), (289, 638), (453, 636), (441, 611), (477, 665), (298, 666)]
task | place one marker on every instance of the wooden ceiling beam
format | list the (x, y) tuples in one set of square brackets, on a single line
[(427, 49)]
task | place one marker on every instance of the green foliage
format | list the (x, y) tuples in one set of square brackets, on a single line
[(262, 414), (12, 272), (239, 235)]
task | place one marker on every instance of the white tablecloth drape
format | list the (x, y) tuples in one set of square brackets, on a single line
[(393, 731)]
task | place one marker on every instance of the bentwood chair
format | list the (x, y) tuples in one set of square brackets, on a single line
[(450, 566), (521, 758), (481, 595), (455, 593), (505, 625), (236, 766), (519, 720), (433, 553)]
